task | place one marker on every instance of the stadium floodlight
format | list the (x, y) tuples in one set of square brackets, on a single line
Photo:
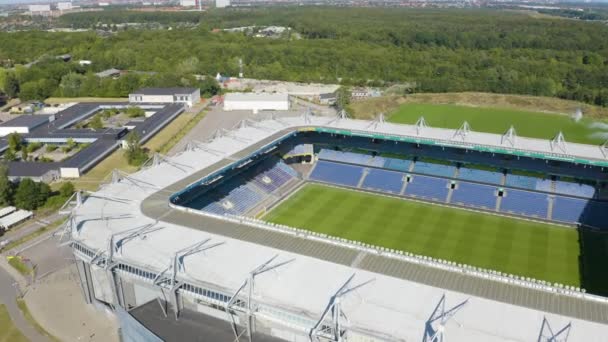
[(559, 142), (329, 326), (434, 328), (463, 131), (249, 286), (547, 334), (509, 136), (420, 125)]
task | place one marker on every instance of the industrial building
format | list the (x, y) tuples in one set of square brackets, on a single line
[(256, 102), (188, 96), (24, 124), (166, 268), (222, 3), (61, 127)]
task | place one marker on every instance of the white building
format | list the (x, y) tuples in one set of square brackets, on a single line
[(222, 3), (256, 101), (43, 10), (24, 123), (187, 3), (64, 6), (189, 96)]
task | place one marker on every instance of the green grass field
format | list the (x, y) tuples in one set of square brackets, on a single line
[(497, 120), (526, 248), (8, 331)]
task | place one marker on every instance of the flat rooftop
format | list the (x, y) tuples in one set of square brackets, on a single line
[(164, 91)]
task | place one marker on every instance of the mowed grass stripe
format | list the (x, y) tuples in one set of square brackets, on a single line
[(526, 248)]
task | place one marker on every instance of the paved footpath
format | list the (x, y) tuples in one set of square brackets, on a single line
[(8, 297)]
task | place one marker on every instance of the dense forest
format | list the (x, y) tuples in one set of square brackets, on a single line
[(434, 50)]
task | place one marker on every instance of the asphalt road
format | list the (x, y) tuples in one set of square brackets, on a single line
[(8, 295)]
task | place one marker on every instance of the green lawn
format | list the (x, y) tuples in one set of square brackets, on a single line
[(498, 120), (8, 331), (531, 249)]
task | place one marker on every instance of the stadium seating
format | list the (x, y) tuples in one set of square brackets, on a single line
[(518, 181), (274, 177), (493, 177), (376, 161), (568, 209), (544, 185), (299, 150), (345, 157), (397, 164), (574, 189), (525, 203), (474, 195), (382, 180), (434, 169), (430, 188), (336, 173), (231, 198)]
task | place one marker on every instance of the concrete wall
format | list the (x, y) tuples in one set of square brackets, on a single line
[(256, 106), (133, 331)]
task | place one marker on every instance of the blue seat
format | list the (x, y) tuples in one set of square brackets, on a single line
[(397, 164), (483, 176), (574, 189), (382, 180), (335, 173), (429, 188), (567, 209), (434, 169), (518, 181), (475, 195), (525, 203), (345, 157)]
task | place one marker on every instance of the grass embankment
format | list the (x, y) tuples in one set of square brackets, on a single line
[(28, 316), (389, 104), (510, 245), (8, 331), (19, 265)]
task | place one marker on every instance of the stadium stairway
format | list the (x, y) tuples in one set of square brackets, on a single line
[(550, 207), (403, 186), (363, 176), (498, 202)]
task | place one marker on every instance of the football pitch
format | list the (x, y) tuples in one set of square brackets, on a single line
[(498, 120), (526, 248)]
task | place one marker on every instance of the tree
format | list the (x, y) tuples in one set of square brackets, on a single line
[(66, 190), (6, 187), (135, 112), (26, 195), (135, 154), (44, 192), (11, 85), (24, 154), (343, 95), (14, 141), (96, 123), (9, 155)]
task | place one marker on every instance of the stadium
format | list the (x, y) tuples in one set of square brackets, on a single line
[(333, 229)]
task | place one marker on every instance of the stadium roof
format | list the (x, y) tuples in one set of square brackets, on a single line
[(164, 91), (395, 308)]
